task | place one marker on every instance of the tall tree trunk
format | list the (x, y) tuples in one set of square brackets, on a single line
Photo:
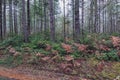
[(117, 13), (82, 16), (103, 18), (77, 21), (34, 22), (1, 36), (96, 16), (45, 18), (73, 18), (10, 17), (99, 17), (28, 16), (41, 20), (4, 18), (52, 25), (64, 29), (91, 29), (15, 17), (24, 25)]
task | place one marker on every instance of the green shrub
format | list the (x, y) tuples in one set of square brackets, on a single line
[(110, 56), (59, 49), (11, 61), (87, 39), (14, 41), (108, 43), (41, 51)]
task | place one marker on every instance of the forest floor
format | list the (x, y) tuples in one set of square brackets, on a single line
[(23, 73), (89, 70), (40, 60)]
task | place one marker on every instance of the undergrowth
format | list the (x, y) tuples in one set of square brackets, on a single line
[(86, 48)]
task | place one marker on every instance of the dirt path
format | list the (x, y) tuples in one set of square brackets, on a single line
[(21, 73), (11, 73)]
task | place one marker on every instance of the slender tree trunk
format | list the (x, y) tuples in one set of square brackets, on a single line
[(77, 21), (73, 18), (52, 25), (28, 16), (45, 18), (64, 29), (34, 26), (10, 17), (24, 25), (15, 17), (117, 13), (103, 17), (99, 27), (91, 17), (105, 21), (4, 16), (82, 16), (41, 27), (96, 16), (1, 35)]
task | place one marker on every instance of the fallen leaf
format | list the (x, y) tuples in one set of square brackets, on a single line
[(46, 58), (68, 58)]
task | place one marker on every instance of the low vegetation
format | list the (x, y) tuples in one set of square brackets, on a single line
[(99, 54)]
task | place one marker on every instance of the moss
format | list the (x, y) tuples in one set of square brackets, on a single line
[(108, 75), (116, 67), (93, 61)]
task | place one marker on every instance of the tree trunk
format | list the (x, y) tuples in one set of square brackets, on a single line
[(82, 16), (28, 16), (10, 17), (91, 17), (45, 18), (41, 20), (64, 29), (4, 18), (52, 25), (24, 25), (73, 18), (1, 36), (77, 23), (96, 16), (15, 17)]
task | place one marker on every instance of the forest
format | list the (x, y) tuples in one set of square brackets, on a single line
[(59, 39)]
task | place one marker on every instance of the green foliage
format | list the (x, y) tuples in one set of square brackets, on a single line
[(11, 61), (115, 34), (77, 54), (108, 43), (58, 47), (14, 41), (87, 39), (110, 56), (103, 36), (40, 45), (42, 51)]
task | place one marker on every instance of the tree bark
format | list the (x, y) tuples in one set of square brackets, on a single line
[(4, 18), (10, 17), (77, 21), (15, 17), (73, 18), (52, 25), (1, 35), (28, 16), (64, 29), (24, 25)]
